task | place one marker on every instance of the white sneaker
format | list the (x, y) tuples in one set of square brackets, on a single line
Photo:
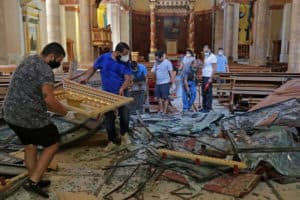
[(125, 139), (110, 146)]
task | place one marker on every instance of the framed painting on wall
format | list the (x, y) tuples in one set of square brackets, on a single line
[(33, 38), (171, 27), (31, 28)]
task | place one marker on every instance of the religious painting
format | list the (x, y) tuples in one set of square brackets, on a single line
[(171, 27), (32, 34), (245, 24)]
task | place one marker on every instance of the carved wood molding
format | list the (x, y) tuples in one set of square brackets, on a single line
[(65, 2), (72, 9)]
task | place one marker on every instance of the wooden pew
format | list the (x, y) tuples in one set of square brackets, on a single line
[(250, 88)]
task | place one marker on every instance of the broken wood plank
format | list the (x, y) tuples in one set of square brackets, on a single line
[(205, 159)]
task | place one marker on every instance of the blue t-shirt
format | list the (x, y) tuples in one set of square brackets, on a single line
[(140, 74), (112, 72), (221, 63)]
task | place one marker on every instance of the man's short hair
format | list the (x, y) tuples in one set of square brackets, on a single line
[(220, 48), (159, 53), (134, 64), (121, 46), (53, 48), (190, 51)]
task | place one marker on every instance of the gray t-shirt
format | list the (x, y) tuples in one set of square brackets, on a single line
[(24, 104), (162, 72)]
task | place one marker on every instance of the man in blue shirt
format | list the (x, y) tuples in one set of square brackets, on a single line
[(140, 81), (222, 62), (115, 77), (222, 66)]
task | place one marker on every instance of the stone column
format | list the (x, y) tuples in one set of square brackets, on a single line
[(285, 32), (235, 31), (53, 21), (258, 51), (191, 39), (124, 26), (228, 29), (219, 29), (3, 53), (85, 32), (294, 50), (115, 24), (43, 25), (63, 30)]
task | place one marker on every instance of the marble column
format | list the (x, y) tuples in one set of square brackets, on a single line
[(152, 29), (235, 31), (124, 26), (191, 39), (219, 23), (43, 25), (115, 24), (294, 50), (228, 29), (285, 32), (85, 32), (258, 51), (53, 21), (3, 53), (153, 48)]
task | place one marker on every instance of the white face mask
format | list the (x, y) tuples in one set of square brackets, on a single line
[(206, 54), (188, 54), (220, 53), (124, 58)]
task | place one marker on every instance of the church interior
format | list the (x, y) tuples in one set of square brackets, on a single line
[(247, 146)]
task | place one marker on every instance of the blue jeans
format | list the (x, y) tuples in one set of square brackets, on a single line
[(189, 100), (207, 96), (178, 86)]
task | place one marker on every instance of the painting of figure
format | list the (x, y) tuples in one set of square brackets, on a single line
[(171, 27), (32, 33)]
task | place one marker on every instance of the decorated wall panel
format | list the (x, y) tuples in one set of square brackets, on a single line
[(141, 33), (203, 30)]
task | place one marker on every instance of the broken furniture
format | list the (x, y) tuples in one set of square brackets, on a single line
[(244, 90), (94, 103)]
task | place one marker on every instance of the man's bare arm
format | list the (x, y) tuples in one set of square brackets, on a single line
[(52, 103)]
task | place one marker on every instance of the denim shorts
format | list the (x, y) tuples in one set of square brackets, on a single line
[(162, 91)]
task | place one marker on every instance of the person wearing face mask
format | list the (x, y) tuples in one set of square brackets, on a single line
[(115, 78), (30, 94), (222, 62), (140, 81), (184, 68), (190, 82), (222, 66), (163, 71), (208, 71)]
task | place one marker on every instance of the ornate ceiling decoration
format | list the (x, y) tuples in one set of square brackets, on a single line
[(172, 6)]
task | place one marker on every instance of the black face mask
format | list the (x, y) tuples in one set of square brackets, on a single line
[(53, 64)]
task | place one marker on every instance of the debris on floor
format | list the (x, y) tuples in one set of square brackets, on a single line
[(192, 152)]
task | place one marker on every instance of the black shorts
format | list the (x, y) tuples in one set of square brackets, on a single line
[(45, 136)]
